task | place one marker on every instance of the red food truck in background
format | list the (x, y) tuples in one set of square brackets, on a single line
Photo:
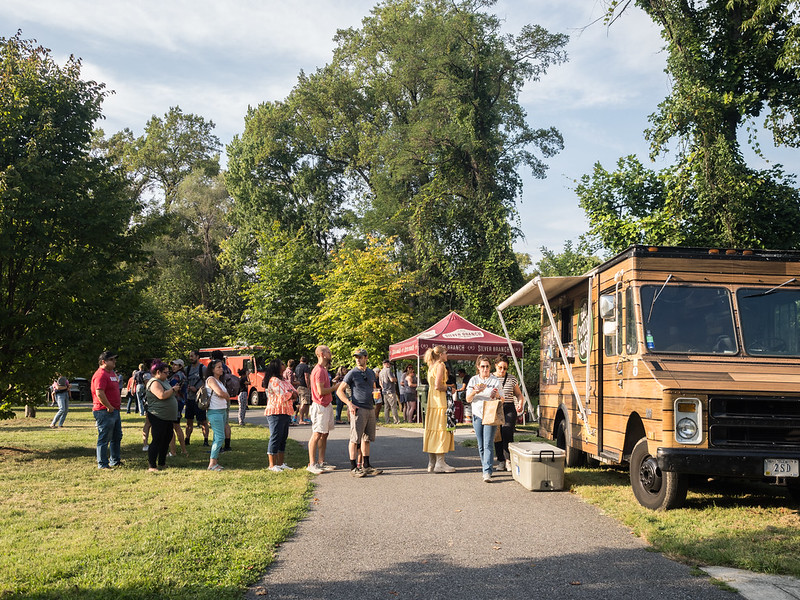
[(243, 357)]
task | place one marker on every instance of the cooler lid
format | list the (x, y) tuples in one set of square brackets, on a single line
[(534, 449)]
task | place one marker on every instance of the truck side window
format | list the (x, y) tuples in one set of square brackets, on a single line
[(566, 324), (631, 336), (613, 343)]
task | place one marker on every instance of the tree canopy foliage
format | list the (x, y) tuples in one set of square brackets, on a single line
[(413, 131), (64, 217), (727, 60)]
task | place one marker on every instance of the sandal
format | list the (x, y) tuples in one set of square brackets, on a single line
[(216, 468)]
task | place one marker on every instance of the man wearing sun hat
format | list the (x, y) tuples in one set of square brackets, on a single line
[(361, 381), (106, 402)]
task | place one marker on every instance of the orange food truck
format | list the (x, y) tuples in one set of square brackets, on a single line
[(676, 361)]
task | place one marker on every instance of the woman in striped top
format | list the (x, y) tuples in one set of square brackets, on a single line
[(512, 406)]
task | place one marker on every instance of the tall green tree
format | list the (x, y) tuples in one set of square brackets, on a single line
[(64, 217), (415, 126), (724, 57), (282, 300), (363, 302)]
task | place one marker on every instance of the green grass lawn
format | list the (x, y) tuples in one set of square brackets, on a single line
[(69, 530), (745, 525)]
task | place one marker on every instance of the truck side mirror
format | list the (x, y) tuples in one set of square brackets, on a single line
[(607, 304)]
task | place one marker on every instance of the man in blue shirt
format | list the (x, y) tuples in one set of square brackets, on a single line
[(361, 407)]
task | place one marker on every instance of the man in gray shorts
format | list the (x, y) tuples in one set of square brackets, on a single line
[(361, 381)]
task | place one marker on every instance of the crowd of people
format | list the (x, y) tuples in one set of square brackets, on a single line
[(298, 394)]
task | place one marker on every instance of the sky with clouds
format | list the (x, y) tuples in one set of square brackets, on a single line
[(215, 59)]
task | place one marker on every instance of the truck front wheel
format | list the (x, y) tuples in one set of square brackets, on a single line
[(655, 489), (573, 456)]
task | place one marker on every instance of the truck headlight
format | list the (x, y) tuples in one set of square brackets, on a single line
[(688, 421), (686, 428)]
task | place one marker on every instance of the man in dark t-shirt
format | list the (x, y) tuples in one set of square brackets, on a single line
[(361, 381)]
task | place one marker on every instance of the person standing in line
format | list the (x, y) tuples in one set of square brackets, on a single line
[(437, 440), (361, 408), (279, 411), (410, 378), (217, 409), (244, 381), (338, 378), (61, 394), (106, 403), (195, 379), (303, 374), (139, 377), (321, 411), (162, 412), (483, 386), (178, 376), (226, 374), (387, 382), (461, 395), (512, 406)]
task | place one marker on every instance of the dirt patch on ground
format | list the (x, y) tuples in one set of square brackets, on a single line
[(9, 451)]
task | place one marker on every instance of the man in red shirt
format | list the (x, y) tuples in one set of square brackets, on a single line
[(105, 406), (321, 411)]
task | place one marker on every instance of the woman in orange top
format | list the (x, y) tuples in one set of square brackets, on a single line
[(279, 411)]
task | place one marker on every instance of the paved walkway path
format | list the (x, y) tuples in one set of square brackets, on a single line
[(411, 534)]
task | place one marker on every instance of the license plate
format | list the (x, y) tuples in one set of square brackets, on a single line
[(781, 467)]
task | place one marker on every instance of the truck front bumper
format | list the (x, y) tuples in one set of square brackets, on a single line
[(747, 463)]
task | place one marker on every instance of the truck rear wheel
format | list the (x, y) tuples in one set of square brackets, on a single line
[(573, 456), (254, 397), (655, 489)]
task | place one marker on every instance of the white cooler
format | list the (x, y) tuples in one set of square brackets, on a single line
[(537, 466)]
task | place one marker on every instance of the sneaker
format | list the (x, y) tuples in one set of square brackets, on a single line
[(372, 471), (487, 477), (314, 469), (357, 472), (116, 464), (276, 469), (170, 454), (306, 421), (508, 465), (146, 447), (205, 442), (501, 466), (326, 467), (285, 467)]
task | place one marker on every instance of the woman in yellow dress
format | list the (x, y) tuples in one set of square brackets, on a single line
[(437, 440)]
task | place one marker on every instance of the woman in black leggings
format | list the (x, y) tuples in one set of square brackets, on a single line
[(162, 411)]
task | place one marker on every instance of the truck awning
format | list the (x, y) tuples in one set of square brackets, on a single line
[(530, 293)]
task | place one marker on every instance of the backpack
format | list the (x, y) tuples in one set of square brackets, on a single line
[(203, 399), (231, 383)]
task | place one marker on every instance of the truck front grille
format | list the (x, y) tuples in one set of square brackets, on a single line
[(754, 422)]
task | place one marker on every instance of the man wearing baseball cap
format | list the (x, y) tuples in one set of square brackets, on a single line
[(361, 381), (105, 407)]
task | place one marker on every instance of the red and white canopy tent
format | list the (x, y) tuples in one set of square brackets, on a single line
[(462, 339)]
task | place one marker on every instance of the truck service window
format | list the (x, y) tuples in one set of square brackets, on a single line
[(688, 319), (769, 319)]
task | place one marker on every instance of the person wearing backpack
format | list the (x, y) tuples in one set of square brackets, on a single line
[(195, 378)]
